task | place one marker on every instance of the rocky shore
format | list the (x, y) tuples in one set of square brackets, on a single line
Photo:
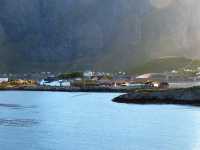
[(68, 89), (188, 96)]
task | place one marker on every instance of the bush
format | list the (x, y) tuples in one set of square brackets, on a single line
[(71, 75)]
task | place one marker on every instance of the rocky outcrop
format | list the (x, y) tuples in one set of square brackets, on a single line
[(189, 96)]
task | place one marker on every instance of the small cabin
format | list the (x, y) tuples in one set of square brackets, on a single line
[(157, 84)]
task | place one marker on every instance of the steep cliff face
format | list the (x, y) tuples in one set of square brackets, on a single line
[(58, 34)]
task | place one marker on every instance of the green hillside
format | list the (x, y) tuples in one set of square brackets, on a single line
[(167, 64)]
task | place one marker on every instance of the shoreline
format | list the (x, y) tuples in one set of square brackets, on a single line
[(187, 96), (70, 89), (180, 96)]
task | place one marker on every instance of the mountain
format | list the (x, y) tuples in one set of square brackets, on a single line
[(54, 35), (164, 64)]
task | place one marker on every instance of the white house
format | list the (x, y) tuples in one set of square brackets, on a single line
[(88, 74), (65, 83), (3, 80), (134, 85), (56, 83)]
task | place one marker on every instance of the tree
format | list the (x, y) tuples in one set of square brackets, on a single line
[(71, 75)]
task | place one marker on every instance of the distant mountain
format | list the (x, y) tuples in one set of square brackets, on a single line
[(55, 35), (164, 64)]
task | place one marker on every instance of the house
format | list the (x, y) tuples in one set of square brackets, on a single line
[(153, 76), (105, 82), (134, 85), (157, 84), (94, 78), (55, 83), (65, 83), (174, 72), (122, 77), (88, 74), (3, 80), (120, 83)]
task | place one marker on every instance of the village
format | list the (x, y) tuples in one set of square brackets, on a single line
[(91, 79)]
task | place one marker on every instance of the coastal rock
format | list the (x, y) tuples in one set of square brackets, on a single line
[(189, 96)]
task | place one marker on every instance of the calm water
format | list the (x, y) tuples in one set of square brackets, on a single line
[(90, 121)]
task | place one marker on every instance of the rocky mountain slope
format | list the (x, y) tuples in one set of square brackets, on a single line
[(105, 35)]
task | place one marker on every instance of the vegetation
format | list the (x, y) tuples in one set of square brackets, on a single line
[(84, 83), (18, 83), (169, 64), (71, 75)]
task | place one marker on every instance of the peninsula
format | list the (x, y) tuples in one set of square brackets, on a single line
[(184, 96)]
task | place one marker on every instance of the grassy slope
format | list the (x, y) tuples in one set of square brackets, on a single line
[(167, 64)]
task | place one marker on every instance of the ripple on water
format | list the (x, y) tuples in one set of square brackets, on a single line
[(16, 106), (18, 122)]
